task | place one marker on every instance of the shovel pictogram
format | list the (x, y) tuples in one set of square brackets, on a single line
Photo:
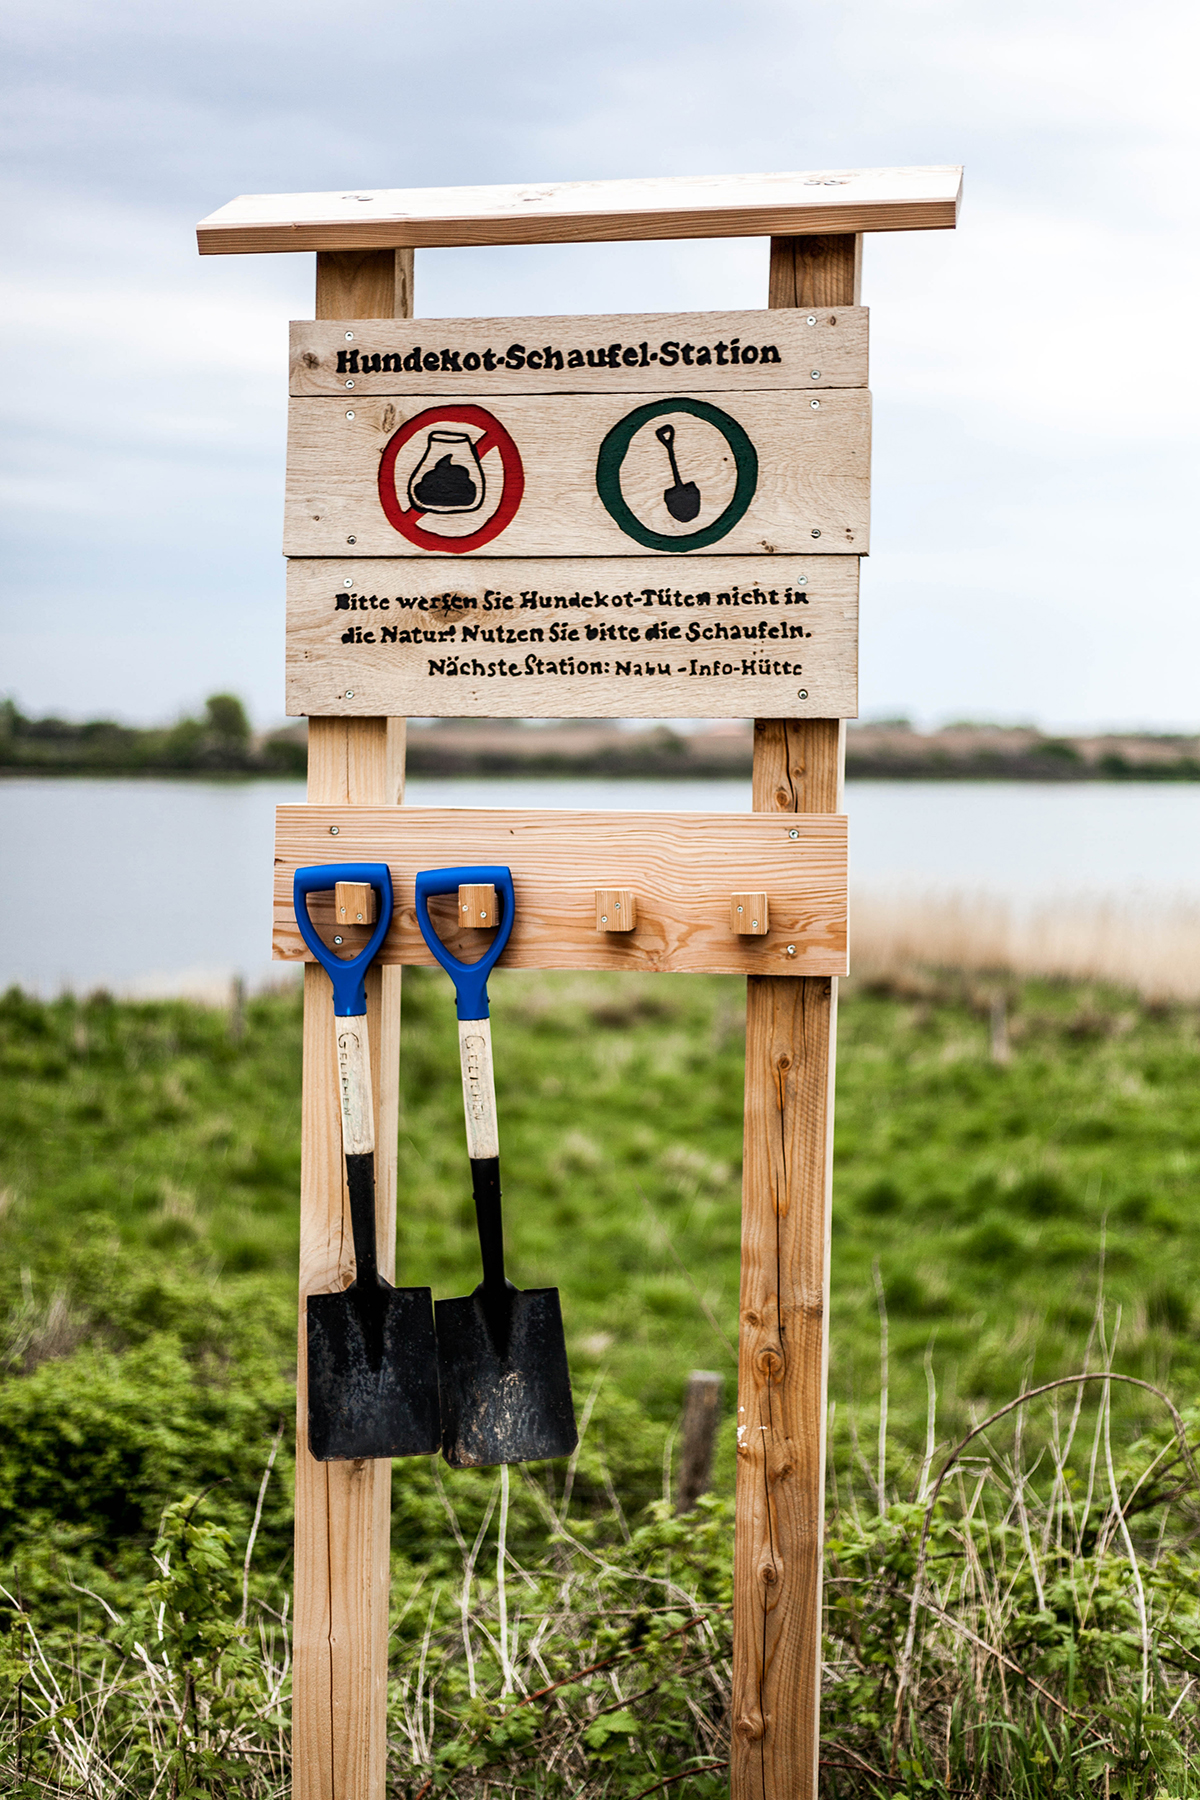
[(683, 500)]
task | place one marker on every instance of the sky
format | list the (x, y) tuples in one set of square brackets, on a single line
[(1034, 373)]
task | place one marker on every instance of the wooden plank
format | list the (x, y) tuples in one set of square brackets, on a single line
[(825, 348), (826, 200), (343, 1510), (786, 1200), (682, 866), (809, 491), (567, 638)]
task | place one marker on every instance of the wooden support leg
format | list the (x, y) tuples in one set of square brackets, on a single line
[(343, 1509), (786, 1186)]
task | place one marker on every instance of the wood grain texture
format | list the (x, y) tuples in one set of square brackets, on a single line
[(784, 1305), (616, 909), (814, 201), (365, 284), (343, 1510), (332, 356), (812, 493), (682, 866), (477, 907), (451, 637), (813, 272), (355, 903)]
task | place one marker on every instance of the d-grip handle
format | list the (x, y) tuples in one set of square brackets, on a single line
[(348, 974), (470, 979)]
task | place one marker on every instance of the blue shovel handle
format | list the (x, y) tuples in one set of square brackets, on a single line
[(470, 979), (348, 974)]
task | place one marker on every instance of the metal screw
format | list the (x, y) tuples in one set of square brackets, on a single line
[(791, 949), (466, 909), (349, 415), (352, 540), (333, 830), (754, 922), (349, 384), (815, 373), (483, 915), (793, 833), (359, 918), (349, 581), (741, 909), (814, 404), (802, 581), (337, 939), (604, 918), (812, 318), (349, 336), (816, 533), (349, 693)]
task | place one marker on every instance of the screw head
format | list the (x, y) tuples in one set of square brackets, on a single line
[(793, 833), (349, 693), (741, 909), (815, 404), (359, 918), (802, 581), (349, 384), (349, 415), (349, 336), (334, 830), (604, 918), (791, 949), (754, 922), (815, 373), (349, 581), (816, 533), (352, 540), (337, 938), (812, 318)]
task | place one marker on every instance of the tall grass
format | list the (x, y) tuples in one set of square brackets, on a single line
[(1152, 947), (1017, 1614)]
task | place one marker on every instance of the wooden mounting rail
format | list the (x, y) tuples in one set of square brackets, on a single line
[(578, 212)]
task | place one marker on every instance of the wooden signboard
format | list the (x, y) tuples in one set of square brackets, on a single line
[(670, 472), (709, 637), (617, 353)]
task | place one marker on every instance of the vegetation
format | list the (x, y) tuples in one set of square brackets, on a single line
[(220, 743), (1008, 1212)]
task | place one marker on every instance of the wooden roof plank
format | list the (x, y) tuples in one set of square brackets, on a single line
[(787, 205)]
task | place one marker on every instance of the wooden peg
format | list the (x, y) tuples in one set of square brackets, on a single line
[(750, 914), (355, 903), (616, 909), (477, 906)]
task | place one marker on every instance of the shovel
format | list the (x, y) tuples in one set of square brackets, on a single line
[(683, 500), (502, 1357), (372, 1352)]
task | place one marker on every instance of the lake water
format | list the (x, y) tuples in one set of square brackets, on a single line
[(162, 886)]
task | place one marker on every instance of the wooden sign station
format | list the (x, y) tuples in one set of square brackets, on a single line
[(608, 517)]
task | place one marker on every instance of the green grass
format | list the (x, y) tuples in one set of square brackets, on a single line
[(149, 1170), (143, 1145)]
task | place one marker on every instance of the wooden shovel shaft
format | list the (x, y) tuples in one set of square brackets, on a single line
[(354, 1087), (479, 1088)]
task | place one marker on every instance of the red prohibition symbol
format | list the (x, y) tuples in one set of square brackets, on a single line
[(407, 519)]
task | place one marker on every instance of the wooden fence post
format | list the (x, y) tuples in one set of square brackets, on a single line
[(787, 1167), (343, 1509)]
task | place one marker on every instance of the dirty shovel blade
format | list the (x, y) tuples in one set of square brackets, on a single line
[(372, 1374), (683, 501), (504, 1404)]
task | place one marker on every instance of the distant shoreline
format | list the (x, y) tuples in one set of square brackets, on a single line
[(503, 748)]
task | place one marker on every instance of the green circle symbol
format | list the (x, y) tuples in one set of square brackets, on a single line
[(612, 456)]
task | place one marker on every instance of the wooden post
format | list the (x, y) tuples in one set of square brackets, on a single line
[(786, 1183), (343, 1509)]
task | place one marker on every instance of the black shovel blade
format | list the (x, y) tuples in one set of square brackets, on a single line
[(504, 1403), (683, 501), (372, 1374)]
